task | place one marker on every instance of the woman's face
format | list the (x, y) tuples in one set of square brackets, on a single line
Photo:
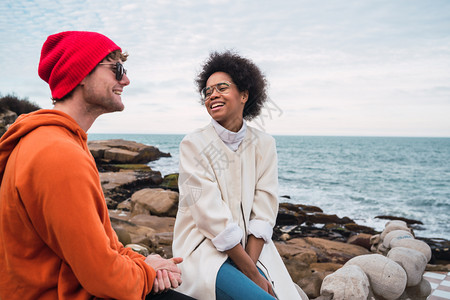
[(226, 108)]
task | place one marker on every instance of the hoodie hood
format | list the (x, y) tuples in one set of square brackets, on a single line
[(26, 123)]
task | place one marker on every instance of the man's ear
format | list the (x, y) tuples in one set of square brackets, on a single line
[(83, 81)]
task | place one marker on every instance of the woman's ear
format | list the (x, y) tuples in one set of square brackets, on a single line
[(244, 97)]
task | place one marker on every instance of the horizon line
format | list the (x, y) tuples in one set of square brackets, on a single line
[(275, 134)]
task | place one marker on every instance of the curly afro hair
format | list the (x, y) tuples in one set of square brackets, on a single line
[(245, 75)]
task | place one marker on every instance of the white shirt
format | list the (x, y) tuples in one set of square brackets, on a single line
[(230, 138)]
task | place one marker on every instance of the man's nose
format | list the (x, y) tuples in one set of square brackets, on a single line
[(125, 80)]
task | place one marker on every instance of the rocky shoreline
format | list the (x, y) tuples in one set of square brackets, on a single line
[(143, 205)]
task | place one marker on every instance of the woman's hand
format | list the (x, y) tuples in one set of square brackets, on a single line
[(263, 283), (246, 265)]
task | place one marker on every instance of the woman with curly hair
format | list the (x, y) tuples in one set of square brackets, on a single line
[(228, 192)]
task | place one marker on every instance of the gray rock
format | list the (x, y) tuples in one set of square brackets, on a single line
[(348, 283), (125, 152), (157, 202), (397, 234), (418, 245), (394, 225), (412, 261), (111, 180), (158, 224), (387, 278)]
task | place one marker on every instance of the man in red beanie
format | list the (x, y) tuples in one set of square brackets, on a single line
[(56, 239)]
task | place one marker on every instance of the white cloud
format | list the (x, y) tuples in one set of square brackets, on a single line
[(365, 68)]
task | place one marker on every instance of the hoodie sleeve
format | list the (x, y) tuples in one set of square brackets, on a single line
[(61, 191)]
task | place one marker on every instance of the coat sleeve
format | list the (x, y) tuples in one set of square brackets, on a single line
[(66, 205), (265, 204), (201, 196)]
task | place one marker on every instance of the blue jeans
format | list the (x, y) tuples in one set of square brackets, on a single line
[(232, 284)]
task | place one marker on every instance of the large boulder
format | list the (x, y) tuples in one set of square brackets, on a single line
[(361, 239), (124, 152), (152, 232), (111, 180), (412, 261), (310, 260), (387, 278), (289, 217), (170, 181), (157, 202), (297, 249), (129, 232), (158, 224), (300, 207), (396, 235), (128, 178), (321, 218), (119, 186), (349, 282), (311, 284), (332, 251), (394, 225), (417, 245), (298, 256)]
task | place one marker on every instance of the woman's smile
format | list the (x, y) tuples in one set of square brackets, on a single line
[(216, 105)]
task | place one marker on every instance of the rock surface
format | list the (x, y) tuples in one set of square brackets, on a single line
[(387, 278), (157, 202), (311, 243), (124, 152), (349, 282)]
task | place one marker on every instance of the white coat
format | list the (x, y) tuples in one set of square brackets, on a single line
[(220, 188)]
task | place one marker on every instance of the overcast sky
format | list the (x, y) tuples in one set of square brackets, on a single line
[(366, 68)]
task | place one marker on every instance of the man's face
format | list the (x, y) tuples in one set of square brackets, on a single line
[(101, 89)]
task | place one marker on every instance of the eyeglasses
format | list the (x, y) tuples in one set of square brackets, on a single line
[(118, 69), (221, 88)]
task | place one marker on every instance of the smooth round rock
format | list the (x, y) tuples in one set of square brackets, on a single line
[(397, 234), (387, 278), (412, 261), (418, 245), (394, 225), (348, 282)]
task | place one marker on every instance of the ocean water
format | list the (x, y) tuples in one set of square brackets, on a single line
[(357, 177)]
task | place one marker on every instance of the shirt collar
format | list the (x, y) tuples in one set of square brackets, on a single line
[(230, 138)]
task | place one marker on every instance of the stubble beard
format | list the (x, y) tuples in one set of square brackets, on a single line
[(103, 104)]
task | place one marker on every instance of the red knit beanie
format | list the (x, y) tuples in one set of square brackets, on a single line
[(67, 57)]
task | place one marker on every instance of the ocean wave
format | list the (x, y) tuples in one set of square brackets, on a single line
[(357, 177)]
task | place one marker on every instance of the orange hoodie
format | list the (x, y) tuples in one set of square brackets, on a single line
[(56, 239)]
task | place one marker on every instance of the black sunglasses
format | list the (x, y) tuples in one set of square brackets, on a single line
[(118, 69)]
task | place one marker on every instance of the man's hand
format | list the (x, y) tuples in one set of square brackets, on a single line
[(168, 275)]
